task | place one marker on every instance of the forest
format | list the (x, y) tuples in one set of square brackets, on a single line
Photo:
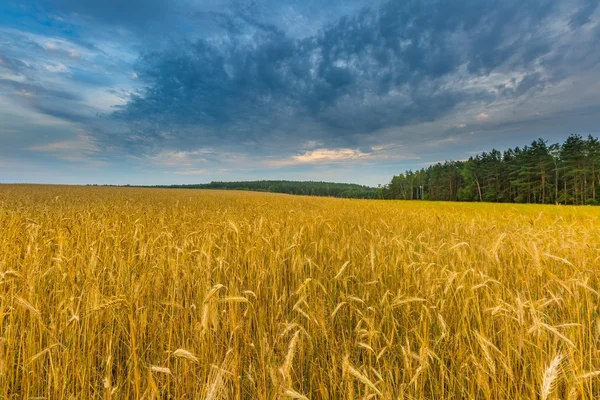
[(309, 188), (564, 173)]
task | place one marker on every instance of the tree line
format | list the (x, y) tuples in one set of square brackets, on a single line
[(564, 173), (308, 188), (558, 173)]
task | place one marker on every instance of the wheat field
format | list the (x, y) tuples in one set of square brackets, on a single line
[(129, 293)]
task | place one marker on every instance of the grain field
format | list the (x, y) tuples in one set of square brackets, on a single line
[(127, 293)]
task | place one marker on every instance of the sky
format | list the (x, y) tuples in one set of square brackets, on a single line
[(189, 91)]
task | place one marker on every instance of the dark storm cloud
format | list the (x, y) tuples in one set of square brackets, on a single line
[(403, 63)]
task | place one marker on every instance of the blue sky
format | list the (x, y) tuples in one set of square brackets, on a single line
[(157, 91)]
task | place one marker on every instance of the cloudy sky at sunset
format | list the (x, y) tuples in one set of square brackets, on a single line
[(157, 91)]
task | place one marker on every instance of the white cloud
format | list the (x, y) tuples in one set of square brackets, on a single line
[(329, 155), (344, 155), (60, 46), (174, 158), (320, 156), (58, 67), (103, 100), (482, 117)]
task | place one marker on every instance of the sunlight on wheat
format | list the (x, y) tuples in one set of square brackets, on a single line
[(123, 293)]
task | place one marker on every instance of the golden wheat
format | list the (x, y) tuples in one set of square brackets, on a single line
[(119, 293)]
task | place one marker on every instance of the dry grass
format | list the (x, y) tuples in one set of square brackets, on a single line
[(138, 293)]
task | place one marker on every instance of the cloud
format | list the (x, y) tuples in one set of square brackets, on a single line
[(59, 104), (324, 156), (81, 149), (327, 155), (175, 158), (311, 144), (242, 85), (402, 64), (191, 172), (13, 65), (83, 144), (584, 13), (35, 90), (56, 68), (57, 76)]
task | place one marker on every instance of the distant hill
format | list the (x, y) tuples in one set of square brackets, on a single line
[(308, 188)]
